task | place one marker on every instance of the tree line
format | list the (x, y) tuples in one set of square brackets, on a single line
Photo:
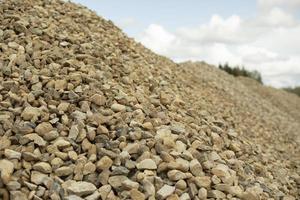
[(241, 71), (295, 90)]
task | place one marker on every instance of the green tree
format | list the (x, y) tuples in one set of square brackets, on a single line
[(241, 71)]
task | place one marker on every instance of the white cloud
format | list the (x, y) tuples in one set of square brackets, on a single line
[(269, 42), (266, 5), (217, 30), (276, 17), (158, 39)]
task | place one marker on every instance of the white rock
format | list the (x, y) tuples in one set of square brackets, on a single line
[(146, 164), (81, 188), (165, 191), (118, 107)]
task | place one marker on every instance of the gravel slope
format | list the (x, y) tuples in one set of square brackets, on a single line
[(87, 113)]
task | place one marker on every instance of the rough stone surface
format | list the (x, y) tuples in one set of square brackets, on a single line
[(42, 167), (11, 154), (98, 99), (104, 163), (146, 164), (81, 188), (6, 169), (165, 191)]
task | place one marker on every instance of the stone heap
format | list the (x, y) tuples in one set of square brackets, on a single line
[(87, 113)]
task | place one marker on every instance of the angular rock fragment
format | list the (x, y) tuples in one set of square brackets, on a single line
[(81, 188), (6, 169), (165, 191), (146, 164)]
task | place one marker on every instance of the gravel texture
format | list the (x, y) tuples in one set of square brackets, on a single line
[(88, 113)]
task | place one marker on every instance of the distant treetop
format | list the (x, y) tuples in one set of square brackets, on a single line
[(241, 71)]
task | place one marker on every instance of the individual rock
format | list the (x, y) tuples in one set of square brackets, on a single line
[(216, 194), (11, 154), (148, 187), (203, 181), (31, 113), (73, 155), (249, 196), (147, 164), (17, 195), (73, 197), (61, 143), (42, 167), (202, 193), (81, 188), (181, 184), (36, 139), (63, 106), (221, 170), (176, 175), (37, 177), (4, 142), (64, 171), (165, 98), (165, 191), (132, 148), (60, 84), (43, 128), (98, 99), (74, 132), (116, 181), (13, 185), (196, 168), (28, 156), (104, 163), (120, 171), (102, 130), (235, 191), (89, 168), (95, 196), (148, 126), (167, 137), (51, 135), (56, 162), (185, 196), (288, 197), (129, 184), (6, 169), (104, 191), (136, 195), (118, 107), (180, 164)]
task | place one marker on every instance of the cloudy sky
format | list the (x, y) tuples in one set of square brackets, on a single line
[(262, 35)]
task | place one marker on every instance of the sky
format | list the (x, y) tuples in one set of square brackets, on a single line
[(261, 35)]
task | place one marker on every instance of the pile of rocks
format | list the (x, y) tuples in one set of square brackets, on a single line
[(87, 113)]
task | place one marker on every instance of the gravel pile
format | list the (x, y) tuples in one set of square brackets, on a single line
[(87, 113)]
